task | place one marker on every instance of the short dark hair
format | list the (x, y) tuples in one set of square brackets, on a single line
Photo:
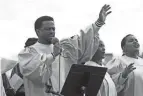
[(123, 42), (39, 21), (30, 41)]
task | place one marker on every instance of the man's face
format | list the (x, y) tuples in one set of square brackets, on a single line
[(47, 30), (131, 44), (100, 53)]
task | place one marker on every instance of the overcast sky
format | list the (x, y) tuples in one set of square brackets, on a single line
[(17, 19)]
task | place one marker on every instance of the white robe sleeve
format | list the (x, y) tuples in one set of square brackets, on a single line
[(32, 64), (7, 64), (115, 69), (80, 49), (2, 92), (77, 50), (88, 43)]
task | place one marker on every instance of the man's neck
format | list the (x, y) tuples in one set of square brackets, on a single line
[(44, 42), (133, 54), (98, 61)]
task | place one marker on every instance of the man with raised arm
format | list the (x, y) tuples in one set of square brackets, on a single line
[(40, 60)]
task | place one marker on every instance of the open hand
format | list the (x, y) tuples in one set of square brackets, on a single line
[(128, 70), (104, 13)]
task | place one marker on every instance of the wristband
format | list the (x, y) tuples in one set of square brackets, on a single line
[(99, 23), (53, 55)]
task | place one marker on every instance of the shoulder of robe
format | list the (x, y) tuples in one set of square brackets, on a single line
[(8, 61), (140, 58), (28, 51), (75, 37), (114, 62), (69, 43), (115, 58)]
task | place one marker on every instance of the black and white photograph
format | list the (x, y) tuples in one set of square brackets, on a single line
[(71, 47)]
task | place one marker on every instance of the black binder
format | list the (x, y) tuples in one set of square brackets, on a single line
[(83, 76)]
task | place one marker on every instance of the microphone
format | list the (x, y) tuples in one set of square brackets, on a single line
[(55, 40)]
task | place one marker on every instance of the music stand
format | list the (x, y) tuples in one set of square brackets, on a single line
[(83, 80)]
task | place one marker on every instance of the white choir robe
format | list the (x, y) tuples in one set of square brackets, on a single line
[(133, 84), (38, 66), (2, 87), (5, 65), (76, 50), (107, 87), (34, 61)]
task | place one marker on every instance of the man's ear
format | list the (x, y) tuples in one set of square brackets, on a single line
[(123, 48), (37, 32)]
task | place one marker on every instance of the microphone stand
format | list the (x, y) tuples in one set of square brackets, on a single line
[(50, 90), (59, 71), (83, 91)]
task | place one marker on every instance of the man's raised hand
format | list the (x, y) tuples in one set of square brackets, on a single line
[(104, 12)]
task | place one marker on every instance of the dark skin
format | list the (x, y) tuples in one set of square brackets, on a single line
[(131, 49), (100, 53), (46, 35), (46, 32)]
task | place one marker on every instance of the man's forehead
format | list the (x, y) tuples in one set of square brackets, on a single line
[(48, 23), (131, 37)]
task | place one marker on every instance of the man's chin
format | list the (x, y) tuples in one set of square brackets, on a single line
[(136, 49), (103, 57), (49, 41)]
